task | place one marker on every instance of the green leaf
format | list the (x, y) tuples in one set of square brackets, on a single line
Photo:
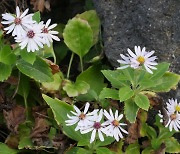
[(29, 57), (39, 71), (148, 150), (78, 36), (129, 74), (93, 20), (55, 85), (133, 148), (125, 93), (172, 145), (6, 55), (60, 110), (24, 86), (25, 139), (161, 69), (47, 52), (93, 77), (4, 149), (130, 110), (116, 78), (37, 16), (5, 71), (167, 82), (75, 89), (109, 93), (148, 131), (142, 101), (77, 150), (107, 141), (103, 150)]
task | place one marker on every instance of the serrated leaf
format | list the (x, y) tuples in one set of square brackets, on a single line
[(5, 71), (78, 36), (6, 55), (148, 131), (60, 110), (166, 82), (116, 78), (37, 16), (29, 57), (109, 93), (125, 93), (130, 110), (142, 101), (161, 69), (93, 20), (172, 145), (39, 71), (4, 149), (133, 148)]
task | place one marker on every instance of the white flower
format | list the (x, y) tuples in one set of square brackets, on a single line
[(17, 23), (49, 34), (113, 125), (174, 121), (173, 105), (83, 119), (32, 38), (95, 127), (139, 58), (126, 61)]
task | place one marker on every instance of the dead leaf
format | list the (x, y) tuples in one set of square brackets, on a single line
[(53, 66), (41, 5), (14, 117), (40, 131)]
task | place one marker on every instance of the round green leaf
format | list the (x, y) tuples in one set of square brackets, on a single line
[(78, 36)]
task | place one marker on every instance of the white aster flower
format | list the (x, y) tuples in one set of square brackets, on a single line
[(95, 127), (17, 23), (83, 119), (32, 38), (49, 34), (138, 59), (173, 105), (113, 126), (174, 121), (126, 61)]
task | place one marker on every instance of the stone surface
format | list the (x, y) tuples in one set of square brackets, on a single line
[(154, 24)]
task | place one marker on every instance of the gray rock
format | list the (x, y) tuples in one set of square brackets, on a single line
[(154, 24)]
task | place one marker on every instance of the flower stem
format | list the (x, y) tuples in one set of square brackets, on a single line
[(81, 62), (70, 63)]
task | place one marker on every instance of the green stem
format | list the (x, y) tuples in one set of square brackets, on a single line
[(70, 63), (27, 109), (81, 62)]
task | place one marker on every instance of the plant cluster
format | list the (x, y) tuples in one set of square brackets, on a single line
[(45, 102)]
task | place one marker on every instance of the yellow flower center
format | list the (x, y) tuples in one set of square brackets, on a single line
[(173, 116), (115, 123), (177, 108), (141, 59), (82, 116)]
